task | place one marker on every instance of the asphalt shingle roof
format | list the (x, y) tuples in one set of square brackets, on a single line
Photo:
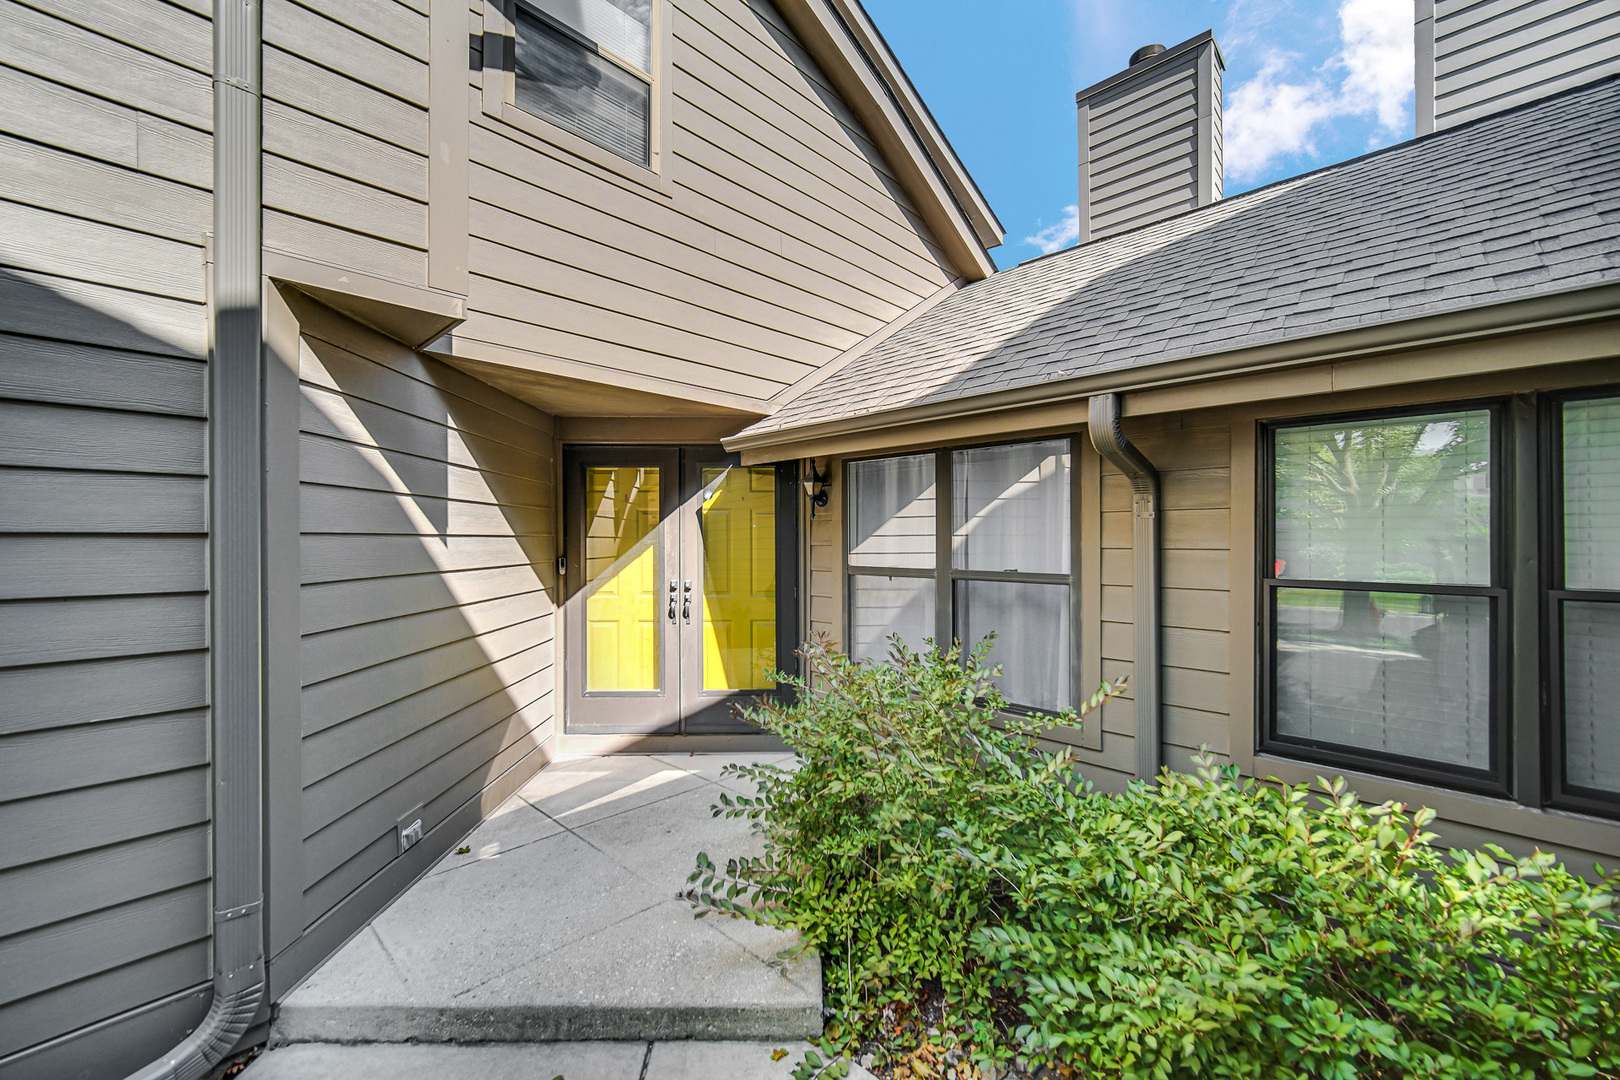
[(1517, 204)]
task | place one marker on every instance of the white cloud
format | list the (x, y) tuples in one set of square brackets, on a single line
[(1377, 55), (1268, 117), (1059, 236), (1276, 113)]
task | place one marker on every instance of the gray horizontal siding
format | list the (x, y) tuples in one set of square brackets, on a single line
[(427, 539), (1142, 140), (1494, 54), (104, 118)]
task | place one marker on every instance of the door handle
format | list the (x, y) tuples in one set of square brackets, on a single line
[(672, 601), (686, 603)]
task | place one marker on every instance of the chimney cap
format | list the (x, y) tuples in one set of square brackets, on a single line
[(1146, 52)]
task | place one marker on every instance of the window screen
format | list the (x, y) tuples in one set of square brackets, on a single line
[(893, 510), (1010, 544), (1010, 508), (1031, 624), (562, 79), (1588, 605), (1381, 598), (881, 606)]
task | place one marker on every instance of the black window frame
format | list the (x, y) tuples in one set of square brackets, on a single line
[(1554, 594), (1497, 778), (945, 575)]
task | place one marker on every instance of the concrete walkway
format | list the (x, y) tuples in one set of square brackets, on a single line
[(561, 923), (535, 1061)]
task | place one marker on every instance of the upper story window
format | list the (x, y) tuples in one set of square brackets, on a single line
[(1384, 601), (962, 543), (586, 66)]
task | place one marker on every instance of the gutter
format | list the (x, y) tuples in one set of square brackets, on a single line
[(1109, 439), (235, 376), (1546, 311)]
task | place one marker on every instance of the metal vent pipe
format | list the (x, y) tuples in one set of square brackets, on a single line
[(1109, 439)]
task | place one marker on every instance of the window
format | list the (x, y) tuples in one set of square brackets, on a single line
[(993, 556), (586, 66), (1584, 603), (891, 553), (1384, 600)]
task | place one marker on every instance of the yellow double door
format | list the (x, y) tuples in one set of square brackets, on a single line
[(673, 613)]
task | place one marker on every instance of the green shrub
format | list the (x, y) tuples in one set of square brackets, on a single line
[(1202, 926)]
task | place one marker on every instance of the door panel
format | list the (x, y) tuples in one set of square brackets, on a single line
[(674, 612), (621, 663), (737, 527), (731, 550), (623, 619)]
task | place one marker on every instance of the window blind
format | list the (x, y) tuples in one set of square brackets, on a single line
[(568, 83)]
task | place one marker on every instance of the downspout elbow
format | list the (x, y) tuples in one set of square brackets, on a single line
[(1108, 436)]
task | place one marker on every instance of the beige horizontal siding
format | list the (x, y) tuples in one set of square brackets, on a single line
[(1491, 55), (776, 238), (428, 538), (345, 134)]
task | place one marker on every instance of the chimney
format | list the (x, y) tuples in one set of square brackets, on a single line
[(1150, 138), (1477, 59)]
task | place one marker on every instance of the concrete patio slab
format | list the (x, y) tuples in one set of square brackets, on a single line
[(528, 1061), (535, 1061), (561, 922)]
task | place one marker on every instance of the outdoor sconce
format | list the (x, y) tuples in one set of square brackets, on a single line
[(816, 484)]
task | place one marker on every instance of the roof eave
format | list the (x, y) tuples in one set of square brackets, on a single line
[(843, 40), (1542, 311)]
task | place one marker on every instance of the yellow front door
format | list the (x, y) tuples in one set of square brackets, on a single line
[(672, 614), (738, 528)]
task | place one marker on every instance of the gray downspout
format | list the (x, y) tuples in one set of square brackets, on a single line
[(1110, 441), (234, 548)]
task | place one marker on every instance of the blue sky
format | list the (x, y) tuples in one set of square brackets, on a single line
[(1308, 83)]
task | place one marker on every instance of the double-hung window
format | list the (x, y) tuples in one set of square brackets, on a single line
[(586, 66), (1384, 599), (959, 544), (1584, 603)]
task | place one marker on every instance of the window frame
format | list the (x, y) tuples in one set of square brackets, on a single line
[(1554, 594), (500, 93), (944, 573), (1495, 780)]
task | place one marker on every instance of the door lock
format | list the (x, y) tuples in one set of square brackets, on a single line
[(672, 601), (686, 602)]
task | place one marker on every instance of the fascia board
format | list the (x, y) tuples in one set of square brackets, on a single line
[(1586, 304), (822, 31), (985, 223)]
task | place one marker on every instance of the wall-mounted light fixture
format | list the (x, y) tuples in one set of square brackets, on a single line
[(816, 484)]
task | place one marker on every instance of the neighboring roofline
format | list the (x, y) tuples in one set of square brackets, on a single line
[(1138, 68), (841, 38), (1543, 311)]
